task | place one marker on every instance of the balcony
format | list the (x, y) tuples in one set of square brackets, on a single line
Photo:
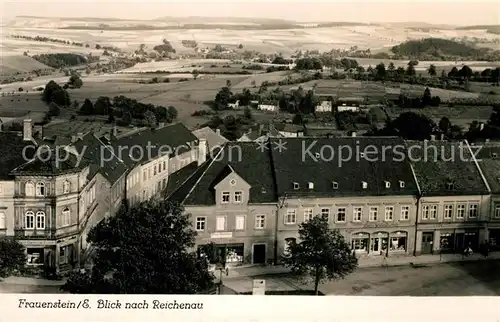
[(34, 234)]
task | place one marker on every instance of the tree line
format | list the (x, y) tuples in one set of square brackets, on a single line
[(61, 60)]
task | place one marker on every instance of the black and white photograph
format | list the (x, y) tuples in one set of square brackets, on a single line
[(249, 148)]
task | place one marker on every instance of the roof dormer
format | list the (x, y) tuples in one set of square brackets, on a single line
[(335, 185), (296, 186), (387, 184), (401, 184), (311, 185), (364, 184)]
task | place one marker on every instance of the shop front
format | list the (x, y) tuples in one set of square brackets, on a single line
[(494, 239), (455, 241), (380, 243)]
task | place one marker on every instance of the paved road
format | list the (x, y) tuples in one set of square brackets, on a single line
[(451, 279)]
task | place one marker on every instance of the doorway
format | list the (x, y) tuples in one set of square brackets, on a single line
[(427, 242), (259, 254), (378, 244)]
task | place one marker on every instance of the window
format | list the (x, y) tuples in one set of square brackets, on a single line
[(389, 212), (164, 165), (200, 223), (308, 214), (144, 175), (357, 214), (291, 217), (40, 189), (29, 189), (497, 211), (405, 213), (240, 222), (238, 196), (387, 184), (66, 187), (29, 220), (150, 172), (288, 243), (473, 210), (398, 243), (159, 167), (364, 184), (335, 185), (295, 186), (3, 224), (460, 211), (425, 212), (65, 217), (401, 184), (325, 213), (433, 211), (221, 223), (225, 197), (341, 214), (448, 211), (373, 214), (154, 170), (260, 221), (311, 185), (40, 220)]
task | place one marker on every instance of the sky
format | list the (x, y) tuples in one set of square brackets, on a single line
[(437, 12)]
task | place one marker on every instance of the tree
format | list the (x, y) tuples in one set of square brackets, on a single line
[(54, 109), (223, 97), (321, 253), (127, 118), (12, 256), (391, 67), (247, 113), (102, 105), (150, 119), (61, 98), (111, 119), (381, 72), (445, 125), (75, 81), (49, 89), (410, 70), (240, 46), (87, 107), (413, 126), (427, 97), (298, 119), (171, 113), (432, 70), (231, 128), (144, 250)]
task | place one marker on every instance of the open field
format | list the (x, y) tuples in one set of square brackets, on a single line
[(19, 64)]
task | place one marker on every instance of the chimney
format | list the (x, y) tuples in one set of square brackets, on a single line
[(73, 138), (79, 136), (353, 134), (217, 131), (433, 137), (27, 130), (202, 151)]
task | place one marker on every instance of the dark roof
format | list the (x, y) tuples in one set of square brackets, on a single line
[(445, 168), (177, 178), (295, 165), (100, 158), (49, 163), (179, 192), (171, 139), (250, 164), (488, 159), (12, 146), (87, 151)]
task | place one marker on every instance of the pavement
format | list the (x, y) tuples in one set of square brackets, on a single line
[(372, 273)]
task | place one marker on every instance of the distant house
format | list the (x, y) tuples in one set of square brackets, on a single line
[(350, 104), (235, 105), (323, 107), (269, 108), (289, 130), (213, 138)]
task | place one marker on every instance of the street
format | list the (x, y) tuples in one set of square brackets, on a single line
[(448, 279)]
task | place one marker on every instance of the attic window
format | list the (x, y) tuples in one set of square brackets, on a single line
[(295, 186), (387, 184), (494, 154), (364, 184), (401, 184), (362, 154), (232, 182), (311, 185), (317, 155), (335, 185)]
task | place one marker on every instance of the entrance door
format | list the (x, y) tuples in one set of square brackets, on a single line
[(375, 245), (259, 254), (427, 241)]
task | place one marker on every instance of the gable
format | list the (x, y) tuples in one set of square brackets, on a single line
[(232, 181)]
